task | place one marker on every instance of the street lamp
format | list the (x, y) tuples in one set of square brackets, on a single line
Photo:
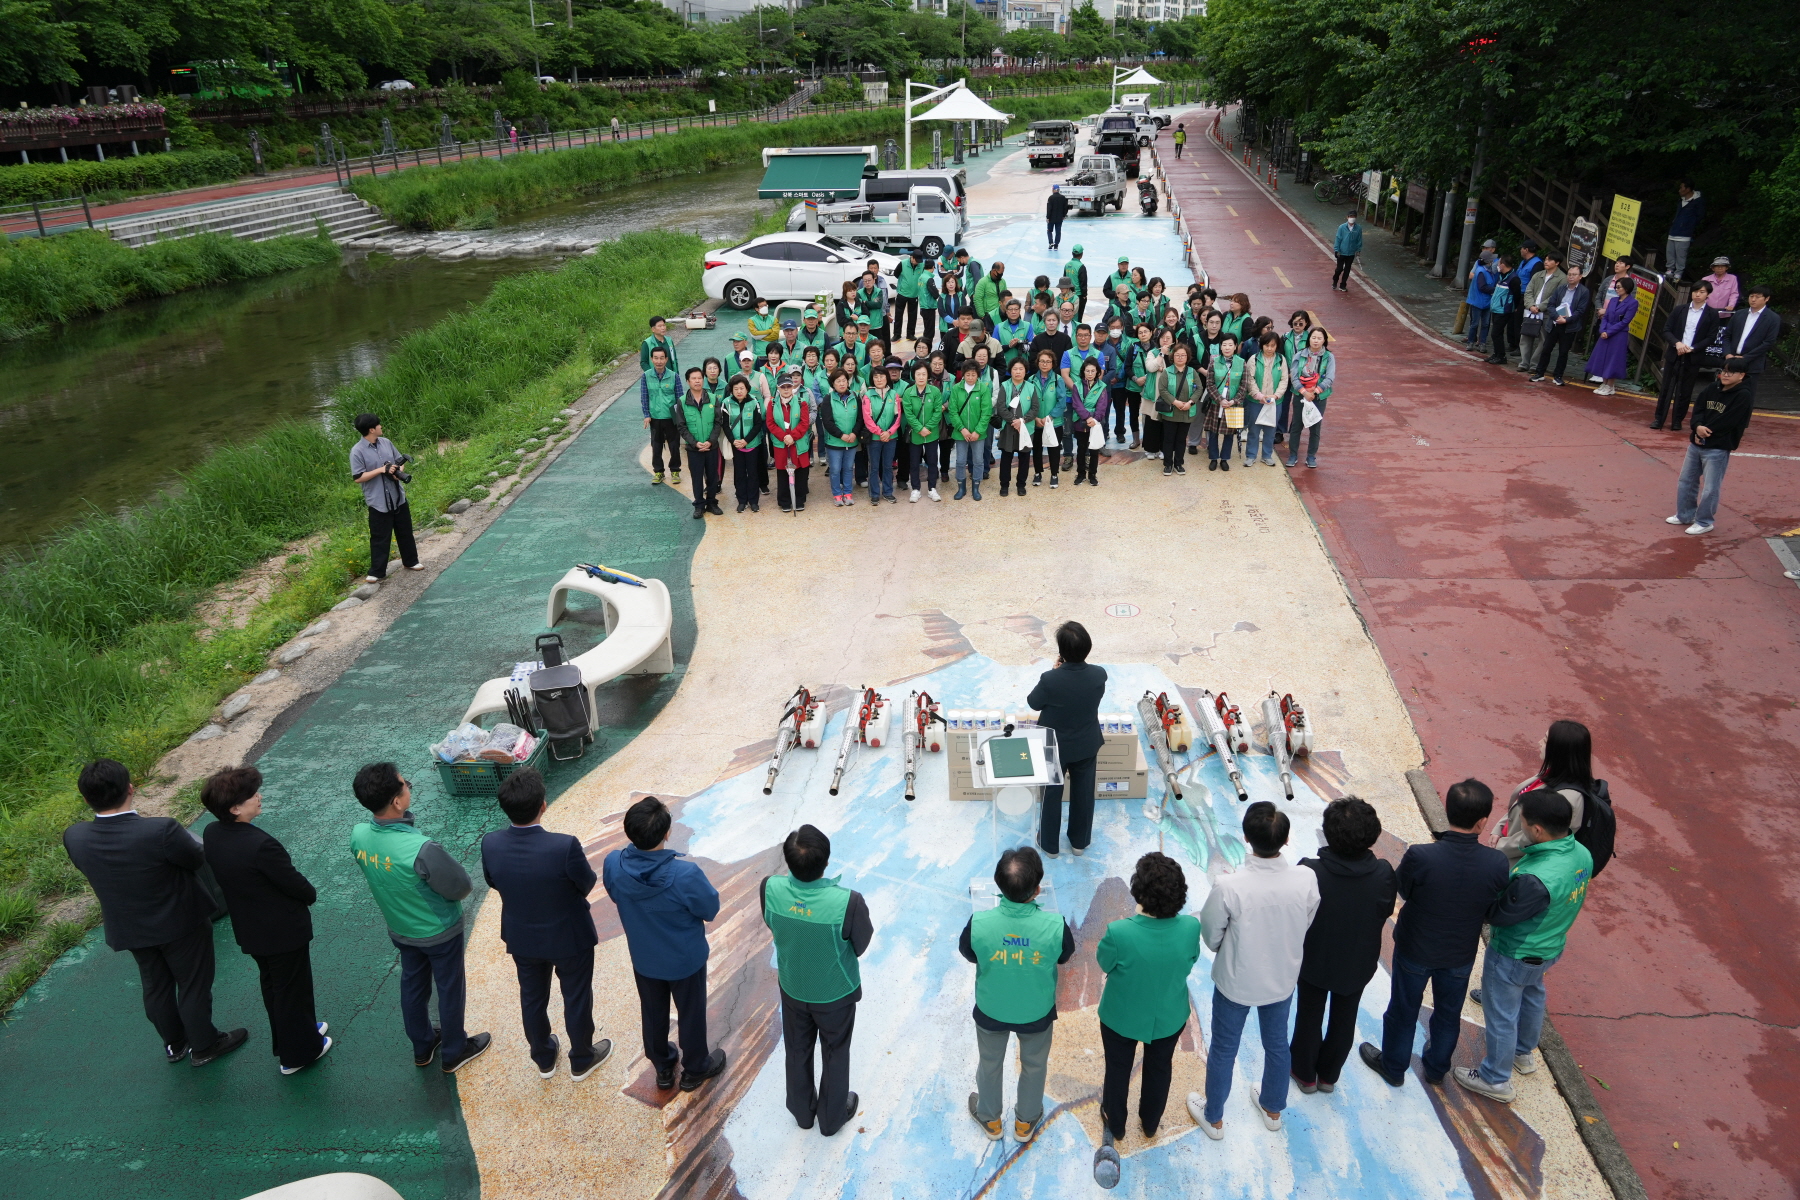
[(537, 66)]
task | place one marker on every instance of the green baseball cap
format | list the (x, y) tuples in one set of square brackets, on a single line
[(1076, 252), (1124, 258)]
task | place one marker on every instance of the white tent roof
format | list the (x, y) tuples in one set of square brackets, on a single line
[(963, 105), (1139, 76)]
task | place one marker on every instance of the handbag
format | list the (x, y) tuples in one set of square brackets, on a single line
[(1532, 326), (1234, 417)]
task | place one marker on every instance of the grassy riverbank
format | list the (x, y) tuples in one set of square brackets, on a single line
[(477, 189), (98, 636), (45, 281)]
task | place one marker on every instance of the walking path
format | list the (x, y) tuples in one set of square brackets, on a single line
[(1476, 518)]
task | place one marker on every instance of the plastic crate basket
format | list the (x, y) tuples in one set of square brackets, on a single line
[(482, 778)]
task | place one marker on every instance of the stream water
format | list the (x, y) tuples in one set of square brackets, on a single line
[(101, 413)]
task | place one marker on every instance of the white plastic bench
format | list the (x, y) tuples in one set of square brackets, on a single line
[(341, 1185), (638, 624)]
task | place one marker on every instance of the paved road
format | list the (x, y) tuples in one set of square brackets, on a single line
[(1505, 544)]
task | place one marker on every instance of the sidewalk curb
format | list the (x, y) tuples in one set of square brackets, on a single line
[(1596, 1131)]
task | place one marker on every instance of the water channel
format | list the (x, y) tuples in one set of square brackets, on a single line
[(101, 413)]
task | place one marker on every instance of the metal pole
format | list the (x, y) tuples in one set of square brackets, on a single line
[(1443, 234)]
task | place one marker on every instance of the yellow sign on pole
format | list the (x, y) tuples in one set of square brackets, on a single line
[(1621, 227)]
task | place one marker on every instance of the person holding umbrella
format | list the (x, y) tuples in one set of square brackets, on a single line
[(789, 421)]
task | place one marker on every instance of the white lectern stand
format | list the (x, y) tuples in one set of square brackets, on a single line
[(1015, 768)]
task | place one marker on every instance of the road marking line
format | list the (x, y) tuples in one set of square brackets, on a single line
[(1784, 457), (1252, 237), (1231, 210), (1283, 278), (1217, 192), (1204, 175)]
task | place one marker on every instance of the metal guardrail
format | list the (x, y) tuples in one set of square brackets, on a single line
[(41, 218)]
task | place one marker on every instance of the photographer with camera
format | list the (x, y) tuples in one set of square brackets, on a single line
[(376, 465)]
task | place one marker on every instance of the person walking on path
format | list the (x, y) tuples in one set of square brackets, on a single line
[(1255, 922), (1531, 921), (419, 889), (1721, 415), (1567, 311), (1611, 358), (268, 900), (1691, 328), (543, 880), (1346, 244), (376, 466), (145, 873), (1147, 959), (1016, 948), (664, 905), (659, 395), (820, 928), (703, 429), (1180, 139), (1343, 944), (1537, 297), (1067, 698), (1056, 211)]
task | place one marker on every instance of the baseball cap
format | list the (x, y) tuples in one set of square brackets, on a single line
[(1056, 187), (1721, 261), (1124, 258), (1076, 252), (790, 324), (1489, 244), (788, 376)]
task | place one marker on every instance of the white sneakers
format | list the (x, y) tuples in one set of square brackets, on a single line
[(1605, 389), (915, 495), (1272, 1124), (1525, 1064), (1197, 1110), (1673, 520), (1471, 1079), (933, 494), (1698, 528)]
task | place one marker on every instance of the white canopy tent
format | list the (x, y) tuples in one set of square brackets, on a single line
[(1134, 78), (955, 103)]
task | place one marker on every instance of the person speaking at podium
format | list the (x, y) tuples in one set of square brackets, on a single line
[(1067, 700)]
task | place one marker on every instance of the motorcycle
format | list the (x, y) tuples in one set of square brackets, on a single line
[(1147, 197)]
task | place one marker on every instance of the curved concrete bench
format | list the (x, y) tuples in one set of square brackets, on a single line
[(638, 623), (340, 1185)]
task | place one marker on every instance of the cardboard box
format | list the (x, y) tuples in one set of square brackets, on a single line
[(1119, 754), (1132, 784)]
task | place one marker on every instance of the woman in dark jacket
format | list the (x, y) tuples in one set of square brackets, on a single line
[(1343, 946)]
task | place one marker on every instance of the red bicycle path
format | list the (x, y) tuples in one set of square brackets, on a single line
[(1505, 545)]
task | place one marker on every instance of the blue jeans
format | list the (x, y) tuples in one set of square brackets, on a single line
[(1479, 319), (965, 460), (420, 967), (1259, 440), (1448, 987), (1221, 1053), (1512, 1002), (1218, 443), (1702, 475), (881, 469), (841, 463)]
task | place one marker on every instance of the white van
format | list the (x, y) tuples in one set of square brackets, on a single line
[(886, 191)]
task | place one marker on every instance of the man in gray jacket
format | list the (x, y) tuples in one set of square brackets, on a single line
[(376, 465), (1543, 285)]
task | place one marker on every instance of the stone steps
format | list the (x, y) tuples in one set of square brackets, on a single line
[(257, 218)]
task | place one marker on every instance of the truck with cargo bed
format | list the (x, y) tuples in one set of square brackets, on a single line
[(1097, 181)]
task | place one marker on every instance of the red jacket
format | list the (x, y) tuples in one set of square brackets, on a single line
[(796, 423)]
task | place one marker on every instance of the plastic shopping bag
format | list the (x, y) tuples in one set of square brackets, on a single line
[(1097, 437), (1266, 415), (1310, 414)]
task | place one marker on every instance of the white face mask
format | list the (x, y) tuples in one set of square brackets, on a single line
[(1350, 221)]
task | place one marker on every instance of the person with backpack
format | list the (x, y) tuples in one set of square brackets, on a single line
[(1568, 768), (1531, 921), (1506, 309)]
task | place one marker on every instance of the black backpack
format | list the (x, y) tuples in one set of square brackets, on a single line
[(1598, 825)]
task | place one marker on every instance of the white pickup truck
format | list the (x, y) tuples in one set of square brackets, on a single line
[(1096, 182), (926, 218)]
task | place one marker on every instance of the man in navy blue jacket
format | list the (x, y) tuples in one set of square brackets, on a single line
[(544, 879), (1447, 886), (664, 905)]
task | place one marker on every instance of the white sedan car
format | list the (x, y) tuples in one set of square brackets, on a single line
[(787, 266)]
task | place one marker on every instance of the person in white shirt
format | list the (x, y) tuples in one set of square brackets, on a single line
[(1255, 923)]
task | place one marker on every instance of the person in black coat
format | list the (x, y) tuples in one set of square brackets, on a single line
[(1056, 210), (1068, 701), (544, 879), (145, 871), (268, 899), (1343, 944), (1752, 332), (1691, 328), (1447, 886)]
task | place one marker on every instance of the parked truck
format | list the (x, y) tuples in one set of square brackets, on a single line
[(927, 218), (1121, 143), (1097, 181), (1051, 143)]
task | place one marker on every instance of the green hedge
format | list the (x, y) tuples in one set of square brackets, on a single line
[(44, 281), (140, 173)]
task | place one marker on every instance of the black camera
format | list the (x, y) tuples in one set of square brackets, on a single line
[(396, 472)]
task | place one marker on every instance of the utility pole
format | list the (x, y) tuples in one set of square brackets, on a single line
[(1472, 204)]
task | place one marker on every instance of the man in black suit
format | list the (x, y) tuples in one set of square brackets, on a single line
[(1068, 701), (144, 870), (1690, 330), (1752, 333), (544, 879), (268, 900), (1565, 313)]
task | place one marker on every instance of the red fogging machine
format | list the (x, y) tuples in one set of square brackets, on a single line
[(800, 725), (866, 725), (919, 735)]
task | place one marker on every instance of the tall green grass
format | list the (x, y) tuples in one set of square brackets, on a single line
[(98, 646), (139, 173), (45, 281)]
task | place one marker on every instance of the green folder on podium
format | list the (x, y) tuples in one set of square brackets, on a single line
[(1010, 758)]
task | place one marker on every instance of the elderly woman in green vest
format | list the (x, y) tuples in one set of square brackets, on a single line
[(745, 430), (1147, 959), (922, 406), (1016, 948), (702, 424), (1180, 389), (969, 407), (820, 928), (1015, 416), (1226, 390)]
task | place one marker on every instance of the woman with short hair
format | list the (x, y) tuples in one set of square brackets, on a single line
[(1225, 395), (1268, 377), (1314, 371), (1611, 357), (745, 429), (1089, 400), (1180, 388)]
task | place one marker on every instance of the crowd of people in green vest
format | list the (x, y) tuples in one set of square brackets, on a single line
[(941, 369)]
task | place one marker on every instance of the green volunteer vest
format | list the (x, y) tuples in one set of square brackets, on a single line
[(652, 343), (1564, 866), (1228, 376), (882, 408), (386, 853), (814, 962), (1016, 948), (926, 408), (1115, 281), (665, 392), (965, 407), (845, 410), (702, 420), (744, 421), (716, 390), (1072, 272)]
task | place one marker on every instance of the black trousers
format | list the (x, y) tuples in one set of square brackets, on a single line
[(1124, 412), (1087, 461), (927, 318), (1506, 333), (1053, 231), (1007, 460), (178, 978), (1677, 391), (922, 465), (689, 996), (708, 470), (1080, 782), (748, 469), (576, 975), (1557, 339), (906, 312), (1174, 444), (663, 434), (1340, 276), (828, 1026), (287, 992), (1315, 1061), (391, 526), (1153, 1092), (798, 499)]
